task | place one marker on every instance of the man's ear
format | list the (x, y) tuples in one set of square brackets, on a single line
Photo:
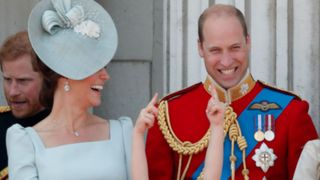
[(248, 42), (200, 48)]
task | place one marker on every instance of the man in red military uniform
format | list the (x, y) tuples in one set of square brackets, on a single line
[(265, 127)]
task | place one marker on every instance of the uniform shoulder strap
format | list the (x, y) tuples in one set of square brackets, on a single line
[(279, 89), (181, 92)]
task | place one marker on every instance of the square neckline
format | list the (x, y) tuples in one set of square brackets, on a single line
[(38, 140)]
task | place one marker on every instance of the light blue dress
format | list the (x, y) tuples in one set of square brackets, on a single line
[(98, 160)]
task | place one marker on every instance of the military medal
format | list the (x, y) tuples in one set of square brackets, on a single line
[(259, 135), (269, 134), (264, 157)]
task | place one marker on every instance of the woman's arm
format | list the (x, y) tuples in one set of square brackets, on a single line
[(214, 156), (145, 120)]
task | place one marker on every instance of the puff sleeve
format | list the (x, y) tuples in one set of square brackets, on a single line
[(127, 126), (21, 154), (308, 166)]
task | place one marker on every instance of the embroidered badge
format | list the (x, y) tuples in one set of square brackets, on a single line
[(244, 88), (264, 106), (264, 157)]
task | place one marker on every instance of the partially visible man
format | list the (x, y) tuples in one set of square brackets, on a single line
[(22, 83), (265, 127)]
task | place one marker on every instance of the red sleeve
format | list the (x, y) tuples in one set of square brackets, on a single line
[(159, 155), (301, 130)]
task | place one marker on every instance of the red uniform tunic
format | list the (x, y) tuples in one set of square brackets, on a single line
[(188, 121)]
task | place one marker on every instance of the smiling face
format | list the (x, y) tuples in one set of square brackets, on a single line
[(88, 90), (225, 50), (22, 86)]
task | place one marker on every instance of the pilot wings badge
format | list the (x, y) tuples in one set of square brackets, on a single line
[(264, 106)]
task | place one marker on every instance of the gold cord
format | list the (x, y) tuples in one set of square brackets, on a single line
[(186, 168), (182, 148), (231, 126), (185, 148)]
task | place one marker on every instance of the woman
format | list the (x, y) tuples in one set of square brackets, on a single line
[(308, 166), (76, 39)]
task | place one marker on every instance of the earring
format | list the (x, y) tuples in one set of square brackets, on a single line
[(66, 86)]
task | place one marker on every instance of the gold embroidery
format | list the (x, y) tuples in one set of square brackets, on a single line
[(264, 106), (4, 174), (234, 93), (4, 109)]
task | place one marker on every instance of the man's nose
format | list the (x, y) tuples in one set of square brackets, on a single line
[(14, 89), (226, 59)]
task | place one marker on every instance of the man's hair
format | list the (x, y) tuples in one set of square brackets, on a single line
[(16, 46), (219, 10), (19, 45)]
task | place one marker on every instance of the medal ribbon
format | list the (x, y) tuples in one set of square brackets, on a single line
[(246, 122)]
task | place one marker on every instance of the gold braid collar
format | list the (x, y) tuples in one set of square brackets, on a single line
[(231, 126), (185, 148)]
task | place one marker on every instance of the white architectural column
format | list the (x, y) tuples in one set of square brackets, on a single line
[(195, 65), (175, 44), (263, 35), (240, 4), (306, 63), (160, 48), (282, 44), (224, 2)]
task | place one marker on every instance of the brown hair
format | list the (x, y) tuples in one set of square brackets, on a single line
[(19, 45), (221, 10), (16, 46)]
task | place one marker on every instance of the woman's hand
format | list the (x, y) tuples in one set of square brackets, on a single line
[(147, 116), (145, 120), (214, 157), (215, 109)]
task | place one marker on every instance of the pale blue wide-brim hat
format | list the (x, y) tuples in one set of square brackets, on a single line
[(75, 38)]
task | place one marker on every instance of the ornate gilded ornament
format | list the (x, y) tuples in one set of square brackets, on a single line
[(264, 157)]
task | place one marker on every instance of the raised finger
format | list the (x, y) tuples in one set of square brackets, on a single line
[(214, 93), (154, 100)]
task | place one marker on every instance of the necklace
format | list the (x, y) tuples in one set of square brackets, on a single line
[(76, 133)]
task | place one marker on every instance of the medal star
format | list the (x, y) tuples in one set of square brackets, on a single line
[(244, 88), (264, 157)]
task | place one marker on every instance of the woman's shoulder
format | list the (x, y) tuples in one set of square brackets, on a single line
[(16, 130), (313, 146), (18, 133), (17, 137), (124, 121)]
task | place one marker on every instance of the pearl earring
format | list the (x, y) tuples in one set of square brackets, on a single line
[(66, 86)]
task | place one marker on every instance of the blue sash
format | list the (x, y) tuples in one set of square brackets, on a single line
[(247, 124)]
